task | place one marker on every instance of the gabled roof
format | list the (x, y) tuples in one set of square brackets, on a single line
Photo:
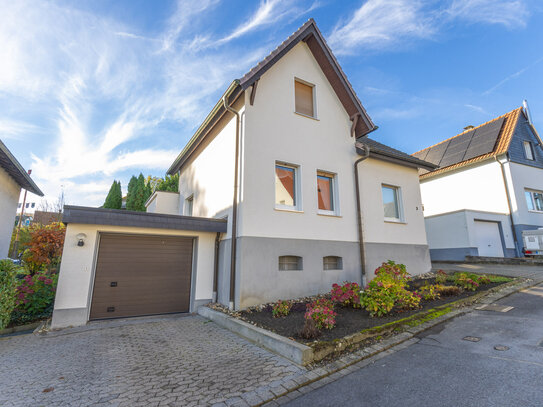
[(383, 152), (488, 140), (10, 164), (311, 35)]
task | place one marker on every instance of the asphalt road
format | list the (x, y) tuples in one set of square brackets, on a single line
[(444, 369)]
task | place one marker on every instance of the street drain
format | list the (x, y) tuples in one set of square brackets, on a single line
[(472, 338), (494, 307), (501, 347)]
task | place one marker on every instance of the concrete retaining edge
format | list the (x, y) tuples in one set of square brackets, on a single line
[(287, 348), (20, 328)]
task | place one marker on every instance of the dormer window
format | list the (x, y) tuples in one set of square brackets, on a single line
[(528, 150), (304, 98)]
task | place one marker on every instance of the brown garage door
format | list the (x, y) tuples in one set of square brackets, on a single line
[(141, 275)]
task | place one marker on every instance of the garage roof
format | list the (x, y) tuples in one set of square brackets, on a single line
[(10, 164), (119, 217)]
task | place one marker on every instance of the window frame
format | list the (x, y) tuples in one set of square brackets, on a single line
[(398, 196), (297, 187), (532, 203), (528, 146), (339, 263), (313, 94), (334, 195), (299, 263), (189, 202)]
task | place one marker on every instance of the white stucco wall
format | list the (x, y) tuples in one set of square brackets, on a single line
[(9, 197), (163, 202), (209, 176), (477, 187), (274, 132), (76, 270), (523, 177), (373, 174)]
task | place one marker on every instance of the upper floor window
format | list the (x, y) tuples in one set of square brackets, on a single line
[(392, 203), (326, 192), (189, 202), (304, 98), (528, 150), (286, 186), (534, 199)]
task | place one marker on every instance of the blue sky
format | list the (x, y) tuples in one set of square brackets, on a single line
[(92, 91)]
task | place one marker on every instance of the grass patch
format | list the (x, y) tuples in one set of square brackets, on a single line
[(428, 317)]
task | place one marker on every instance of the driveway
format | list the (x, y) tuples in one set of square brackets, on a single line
[(501, 365), (178, 361)]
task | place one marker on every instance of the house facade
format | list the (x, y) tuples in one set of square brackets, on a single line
[(12, 178), (281, 194), (297, 228), (487, 191)]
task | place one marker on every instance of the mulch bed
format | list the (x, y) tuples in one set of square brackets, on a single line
[(348, 320)]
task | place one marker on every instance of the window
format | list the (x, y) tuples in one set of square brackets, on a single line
[(188, 205), (286, 186), (391, 203), (290, 263), (534, 199), (27, 205), (33, 205), (326, 192), (19, 205), (304, 98), (332, 263), (528, 150)]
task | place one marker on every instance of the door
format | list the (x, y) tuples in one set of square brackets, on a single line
[(141, 275), (488, 239)]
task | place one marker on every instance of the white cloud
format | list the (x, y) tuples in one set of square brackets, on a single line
[(381, 23), (511, 13)]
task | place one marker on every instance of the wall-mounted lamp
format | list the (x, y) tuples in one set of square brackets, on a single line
[(81, 239)]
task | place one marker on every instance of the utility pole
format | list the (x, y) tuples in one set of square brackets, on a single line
[(16, 243)]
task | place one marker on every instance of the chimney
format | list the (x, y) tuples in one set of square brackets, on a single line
[(469, 127)]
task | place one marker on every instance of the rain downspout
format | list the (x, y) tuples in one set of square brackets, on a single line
[(216, 268), (358, 205), (234, 207)]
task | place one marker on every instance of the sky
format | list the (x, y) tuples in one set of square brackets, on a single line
[(97, 90)]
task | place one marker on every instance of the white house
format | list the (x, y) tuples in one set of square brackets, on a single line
[(281, 191), (12, 178), (487, 190)]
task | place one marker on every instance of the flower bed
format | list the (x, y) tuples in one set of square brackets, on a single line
[(350, 318)]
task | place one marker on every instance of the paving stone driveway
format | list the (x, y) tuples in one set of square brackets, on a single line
[(181, 361)]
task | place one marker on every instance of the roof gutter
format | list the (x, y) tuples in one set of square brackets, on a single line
[(234, 205)]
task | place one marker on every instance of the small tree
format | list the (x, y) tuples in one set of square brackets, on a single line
[(170, 183), (130, 195), (45, 246), (114, 197)]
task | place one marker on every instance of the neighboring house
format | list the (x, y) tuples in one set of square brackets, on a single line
[(281, 194), (12, 178), (46, 218), (487, 190)]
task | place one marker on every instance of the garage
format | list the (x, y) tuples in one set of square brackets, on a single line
[(489, 240), (141, 275)]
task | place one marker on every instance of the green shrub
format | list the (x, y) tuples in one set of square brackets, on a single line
[(36, 293), (483, 279), (441, 277), (8, 286), (346, 295), (387, 290), (408, 300), (281, 308), (429, 292), (466, 281)]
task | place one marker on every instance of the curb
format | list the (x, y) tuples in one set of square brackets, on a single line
[(21, 328), (291, 387)]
